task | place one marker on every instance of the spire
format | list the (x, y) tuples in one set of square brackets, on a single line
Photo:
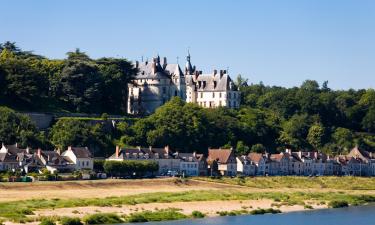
[(188, 67)]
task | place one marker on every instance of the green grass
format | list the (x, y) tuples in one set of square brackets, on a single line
[(17, 210), (102, 218), (159, 215), (332, 182)]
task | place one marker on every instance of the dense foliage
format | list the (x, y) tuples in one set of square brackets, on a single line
[(130, 168), (270, 119), (76, 84)]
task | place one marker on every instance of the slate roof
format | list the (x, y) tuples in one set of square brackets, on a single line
[(210, 82), (81, 152)]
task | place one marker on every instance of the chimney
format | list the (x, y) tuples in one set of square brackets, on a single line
[(136, 64), (58, 150), (27, 150), (153, 66), (288, 150), (225, 71), (150, 147), (215, 72), (166, 148), (195, 154), (300, 154), (117, 151), (39, 152), (164, 62), (16, 145), (221, 74)]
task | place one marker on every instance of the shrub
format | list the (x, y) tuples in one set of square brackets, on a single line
[(197, 214), (25, 212), (102, 218), (160, 215), (47, 221), (307, 207), (338, 204), (70, 221), (137, 218)]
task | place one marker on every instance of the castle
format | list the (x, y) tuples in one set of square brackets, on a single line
[(157, 82)]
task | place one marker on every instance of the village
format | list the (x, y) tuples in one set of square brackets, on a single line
[(218, 162)]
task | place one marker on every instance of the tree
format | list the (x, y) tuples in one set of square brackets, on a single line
[(17, 128), (81, 83), (242, 149), (294, 132), (315, 136), (117, 74), (343, 138), (240, 81), (259, 148), (23, 84), (70, 132)]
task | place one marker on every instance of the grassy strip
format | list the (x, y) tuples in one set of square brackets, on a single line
[(18, 210), (342, 183), (251, 212), (159, 215)]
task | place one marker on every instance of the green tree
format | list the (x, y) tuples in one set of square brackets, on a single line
[(343, 138), (315, 136), (80, 84), (70, 132), (117, 74), (17, 128)]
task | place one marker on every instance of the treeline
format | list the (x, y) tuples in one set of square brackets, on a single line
[(75, 84)]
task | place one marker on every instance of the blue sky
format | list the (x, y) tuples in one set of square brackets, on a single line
[(278, 42)]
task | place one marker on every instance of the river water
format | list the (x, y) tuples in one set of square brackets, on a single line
[(361, 215)]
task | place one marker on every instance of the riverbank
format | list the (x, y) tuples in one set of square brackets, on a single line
[(131, 197)]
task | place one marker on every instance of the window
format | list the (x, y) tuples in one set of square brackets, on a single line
[(230, 95), (213, 94), (164, 90), (220, 94), (201, 94), (230, 104), (175, 93)]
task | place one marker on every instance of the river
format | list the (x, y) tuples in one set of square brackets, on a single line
[(361, 215)]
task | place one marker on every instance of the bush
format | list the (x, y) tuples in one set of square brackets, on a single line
[(137, 218), (70, 221), (47, 222), (338, 204), (264, 211), (197, 214), (102, 218), (159, 215)]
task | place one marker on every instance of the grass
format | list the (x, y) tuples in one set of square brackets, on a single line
[(17, 210), (102, 218), (251, 212), (342, 183), (159, 215)]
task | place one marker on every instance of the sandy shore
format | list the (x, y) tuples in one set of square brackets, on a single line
[(210, 208)]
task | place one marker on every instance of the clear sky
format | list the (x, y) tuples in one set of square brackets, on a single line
[(279, 42)]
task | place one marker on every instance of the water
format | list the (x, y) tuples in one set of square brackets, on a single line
[(362, 215)]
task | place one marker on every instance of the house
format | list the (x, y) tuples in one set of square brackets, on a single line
[(366, 158), (79, 157), (166, 159), (245, 166), (296, 166), (53, 161), (261, 162), (225, 159), (8, 161), (279, 164), (192, 164)]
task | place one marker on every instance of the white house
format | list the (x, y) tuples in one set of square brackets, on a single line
[(80, 157), (245, 166)]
